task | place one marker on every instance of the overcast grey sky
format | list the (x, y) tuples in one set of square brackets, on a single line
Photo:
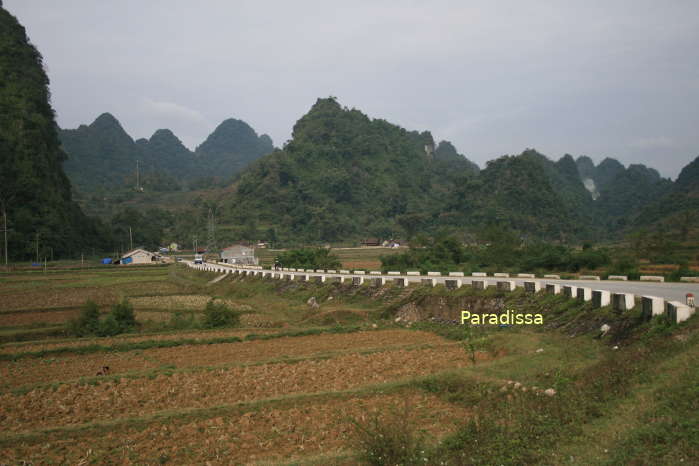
[(600, 78)]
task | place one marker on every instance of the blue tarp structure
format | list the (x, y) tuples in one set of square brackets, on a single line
[(107, 260), (128, 260)]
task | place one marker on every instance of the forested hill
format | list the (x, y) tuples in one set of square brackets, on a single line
[(231, 147), (621, 193), (344, 176), (678, 208), (33, 187), (103, 156)]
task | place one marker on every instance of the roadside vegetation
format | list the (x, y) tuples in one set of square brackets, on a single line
[(501, 250)]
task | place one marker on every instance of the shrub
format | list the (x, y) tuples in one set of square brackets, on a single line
[(391, 440), (123, 315), (181, 321), (88, 321), (109, 327), (219, 315)]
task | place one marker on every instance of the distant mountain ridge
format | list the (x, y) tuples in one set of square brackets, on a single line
[(102, 154)]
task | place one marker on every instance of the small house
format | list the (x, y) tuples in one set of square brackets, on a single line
[(371, 242), (139, 256), (239, 254)]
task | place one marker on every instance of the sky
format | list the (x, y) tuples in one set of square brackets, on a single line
[(604, 78)]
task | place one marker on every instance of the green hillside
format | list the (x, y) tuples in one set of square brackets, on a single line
[(34, 190)]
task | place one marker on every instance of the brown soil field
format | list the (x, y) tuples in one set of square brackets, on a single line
[(78, 404), (69, 367), (16, 319), (34, 346), (181, 303), (38, 298), (265, 435)]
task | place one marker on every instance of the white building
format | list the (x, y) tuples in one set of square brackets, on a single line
[(139, 256), (239, 254)]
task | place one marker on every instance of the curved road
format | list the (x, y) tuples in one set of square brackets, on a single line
[(668, 291)]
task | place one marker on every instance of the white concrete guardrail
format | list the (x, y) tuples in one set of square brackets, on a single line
[(675, 300)]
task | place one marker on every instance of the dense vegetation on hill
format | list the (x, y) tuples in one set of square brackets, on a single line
[(230, 148), (34, 191), (345, 176), (102, 156)]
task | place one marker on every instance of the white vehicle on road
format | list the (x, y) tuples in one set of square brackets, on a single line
[(198, 259)]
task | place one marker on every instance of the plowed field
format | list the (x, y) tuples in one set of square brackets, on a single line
[(264, 435), (78, 404), (34, 370)]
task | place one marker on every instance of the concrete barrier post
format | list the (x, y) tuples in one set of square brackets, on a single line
[(618, 277), (393, 273), (652, 278), (623, 301), (480, 284), (413, 273), (428, 282), (678, 312), (584, 294), (652, 306), (434, 274), (601, 298), (589, 277), (506, 285), (557, 277), (359, 272), (526, 275), (452, 283), (532, 287), (479, 274), (345, 272), (375, 272), (501, 275), (570, 291), (553, 288), (456, 274)]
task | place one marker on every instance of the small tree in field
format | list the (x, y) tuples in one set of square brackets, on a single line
[(123, 315), (219, 315), (88, 321)]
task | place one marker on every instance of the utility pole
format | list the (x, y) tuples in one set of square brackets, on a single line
[(211, 233), (130, 239), (138, 180), (37, 247), (4, 214)]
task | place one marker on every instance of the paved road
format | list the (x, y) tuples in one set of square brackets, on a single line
[(668, 291)]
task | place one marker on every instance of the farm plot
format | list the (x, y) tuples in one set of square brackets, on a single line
[(78, 404), (271, 433), (34, 370), (23, 318), (35, 346), (182, 303)]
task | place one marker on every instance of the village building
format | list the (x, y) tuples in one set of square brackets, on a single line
[(139, 256), (239, 254)]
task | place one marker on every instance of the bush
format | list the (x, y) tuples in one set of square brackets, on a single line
[(392, 440), (219, 315), (180, 321), (123, 315), (88, 321), (109, 327)]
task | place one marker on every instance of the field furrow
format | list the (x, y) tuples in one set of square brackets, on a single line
[(81, 403), (35, 370), (264, 435)]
